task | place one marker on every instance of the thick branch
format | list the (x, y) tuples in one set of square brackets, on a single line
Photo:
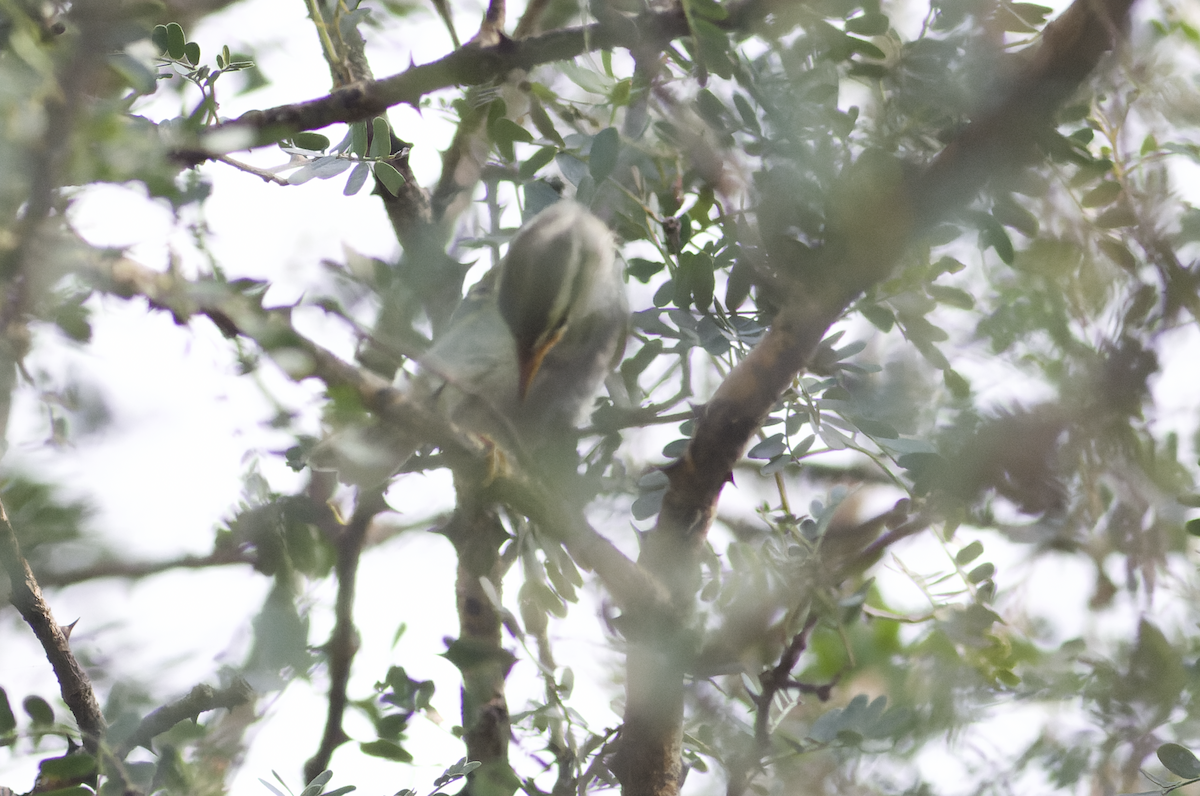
[(73, 682), (465, 66)]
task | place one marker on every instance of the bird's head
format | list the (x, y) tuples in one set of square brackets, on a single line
[(560, 269)]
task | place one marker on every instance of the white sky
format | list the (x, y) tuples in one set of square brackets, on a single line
[(169, 468)]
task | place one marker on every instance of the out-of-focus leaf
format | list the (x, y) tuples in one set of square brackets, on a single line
[(387, 750), (605, 147)]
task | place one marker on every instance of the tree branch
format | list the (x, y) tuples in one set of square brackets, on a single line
[(134, 570), (343, 641), (466, 66), (73, 682), (235, 313), (200, 699), (849, 262)]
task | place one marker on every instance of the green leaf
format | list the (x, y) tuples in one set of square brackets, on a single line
[(737, 286), (1192, 526), (537, 161), (191, 52), (709, 9), (317, 784), (969, 553), (714, 47), (1008, 678), (391, 179), (1105, 193), (958, 386), (603, 159), (392, 726), (176, 41), (712, 110), (8, 722), (314, 142), (746, 111), (621, 93), (357, 179), (564, 587), (1011, 214), (302, 175), (543, 123), (38, 710), (875, 428), (507, 130), (883, 318), (769, 448), (953, 296), (585, 78), (981, 573), (700, 278), (1032, 13), (647, 504), (1118, 216), (869, 24), (642, 269), (1179, 760), (866, 48), (358, 139), (381, 138), (73, 320), (932, 354), (571, 167), (665, 294), (329, 166), (545, 598), (387, 750), (160, 38), (995, 237)]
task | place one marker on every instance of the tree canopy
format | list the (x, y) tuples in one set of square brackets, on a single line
[(915, 310)]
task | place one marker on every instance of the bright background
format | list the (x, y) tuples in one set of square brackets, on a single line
[(186, 428)]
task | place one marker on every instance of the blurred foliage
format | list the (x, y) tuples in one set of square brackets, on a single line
[(998, 384)]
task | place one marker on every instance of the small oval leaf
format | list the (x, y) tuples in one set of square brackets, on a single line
[(391, 179), (605, 147), (176, 41), (1179, 760)]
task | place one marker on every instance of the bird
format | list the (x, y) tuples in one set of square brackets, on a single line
[(534, 339), (521, 358)]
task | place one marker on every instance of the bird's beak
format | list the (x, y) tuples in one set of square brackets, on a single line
[(530, 360)]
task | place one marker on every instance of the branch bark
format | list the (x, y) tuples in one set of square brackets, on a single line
[(73, 682), (471, 65)]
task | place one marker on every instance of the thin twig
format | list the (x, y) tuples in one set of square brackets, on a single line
[(343, 641), (135, 570), (267, 176), (200, 699)]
